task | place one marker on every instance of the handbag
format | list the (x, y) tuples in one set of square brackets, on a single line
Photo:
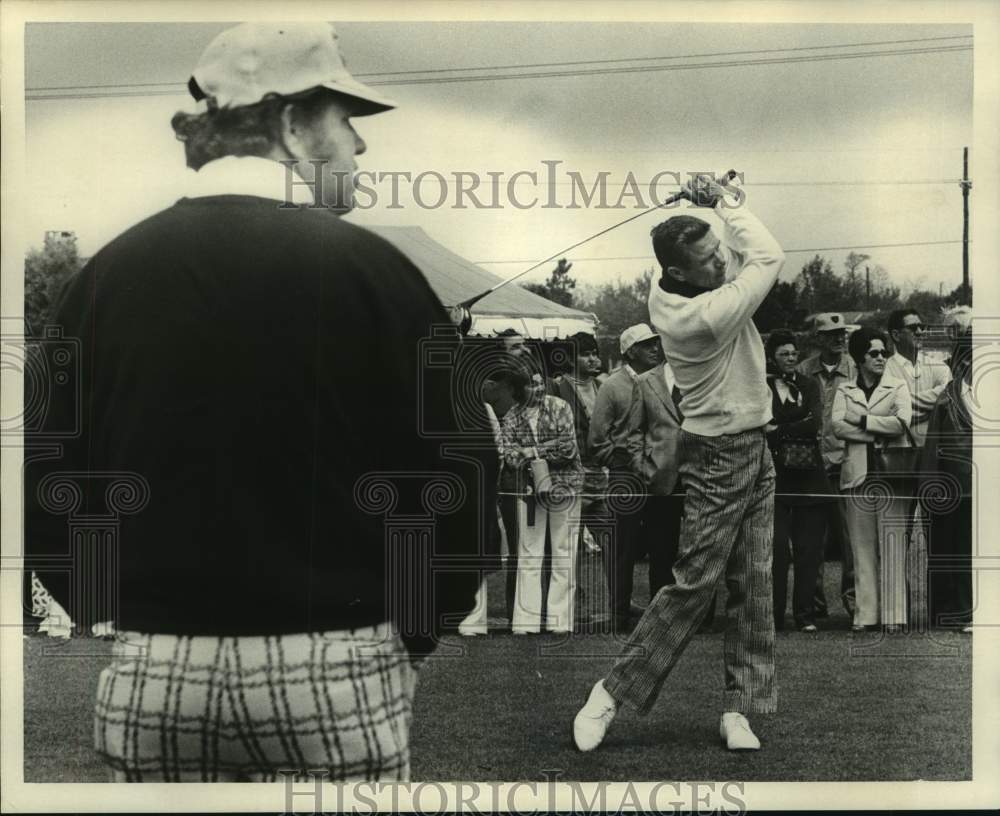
[(799, 455), (540, 475), (898, 463)]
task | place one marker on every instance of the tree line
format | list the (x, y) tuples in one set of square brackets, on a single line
[(861, 287), (818, 287)]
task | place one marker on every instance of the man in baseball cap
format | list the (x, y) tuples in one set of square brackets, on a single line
[(608, 442), (268, 622), (829, 368), (280, 92)]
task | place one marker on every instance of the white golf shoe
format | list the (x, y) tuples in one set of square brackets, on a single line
[(592, 721), (736, 734)]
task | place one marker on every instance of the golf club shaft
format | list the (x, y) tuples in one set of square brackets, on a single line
[(467, 304)]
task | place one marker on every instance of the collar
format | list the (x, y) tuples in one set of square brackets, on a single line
[(675, 287), (631, 372), (814, 365), (668, 377), (905, 364), (784, 392), (887, 381), (249, 176), (591, 382)]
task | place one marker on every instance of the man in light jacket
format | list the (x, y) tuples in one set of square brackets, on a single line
[(925, 378), (608, 442), (702, 307), (654, 436)]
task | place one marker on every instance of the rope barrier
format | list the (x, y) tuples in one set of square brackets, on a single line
[(847, 494)]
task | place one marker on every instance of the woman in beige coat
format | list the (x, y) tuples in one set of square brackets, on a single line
[(872, 413)]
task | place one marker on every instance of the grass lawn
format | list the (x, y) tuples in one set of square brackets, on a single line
[(852, 708)]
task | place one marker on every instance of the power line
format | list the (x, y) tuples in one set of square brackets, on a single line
[(653, 59), (158, 89), (749, 184), (545, 64), (786, 251), (664, 68)]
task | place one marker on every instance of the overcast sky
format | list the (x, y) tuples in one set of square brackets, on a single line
[(101, 164)]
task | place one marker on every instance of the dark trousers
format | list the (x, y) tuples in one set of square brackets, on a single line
[(798, 540), (652, 530), (949, 566), (838, 538), (620, 551), (660, 536)]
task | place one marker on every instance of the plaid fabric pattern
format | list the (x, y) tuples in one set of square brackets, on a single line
[(727, 527), (221, 709), (41, 600)]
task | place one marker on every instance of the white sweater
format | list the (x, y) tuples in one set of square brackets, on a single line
[(710, 340)]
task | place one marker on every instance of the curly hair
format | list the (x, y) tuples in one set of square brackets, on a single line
[(248, 130), (861, 341), (777, 339)]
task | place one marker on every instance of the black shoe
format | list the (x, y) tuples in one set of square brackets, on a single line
[(587, 625), (623, 625)]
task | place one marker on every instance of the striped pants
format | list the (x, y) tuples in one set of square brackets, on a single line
[(727, 528), (174, 708)]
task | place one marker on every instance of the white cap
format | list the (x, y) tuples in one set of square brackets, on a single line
[(832, 321), (636, 334), (246, 63)]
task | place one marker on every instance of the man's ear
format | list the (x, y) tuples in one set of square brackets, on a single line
[(292, 134), (676, 273)]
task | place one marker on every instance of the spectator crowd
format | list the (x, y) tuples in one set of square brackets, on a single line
[(277, 543), (863, 436)]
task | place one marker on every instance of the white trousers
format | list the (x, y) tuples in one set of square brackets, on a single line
[(475, 622), (879, 545), (564, 531)]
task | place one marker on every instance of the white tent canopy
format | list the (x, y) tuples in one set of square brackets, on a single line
[(454, 279)]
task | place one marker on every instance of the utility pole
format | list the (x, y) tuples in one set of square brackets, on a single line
[(966, 185), (868, 290)]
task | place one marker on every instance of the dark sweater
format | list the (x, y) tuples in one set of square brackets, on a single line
[(801, 424), (251, 364)]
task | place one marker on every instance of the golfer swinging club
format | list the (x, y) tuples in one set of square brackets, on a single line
[(702, 308)]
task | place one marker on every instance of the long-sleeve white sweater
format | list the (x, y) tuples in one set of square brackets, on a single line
[(710, 340)]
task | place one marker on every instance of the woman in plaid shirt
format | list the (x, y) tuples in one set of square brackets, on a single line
[(540, 427)]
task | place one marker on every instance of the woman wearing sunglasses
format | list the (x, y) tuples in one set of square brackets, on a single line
[(871, 414)]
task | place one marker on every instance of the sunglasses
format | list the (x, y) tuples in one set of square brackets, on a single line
[(914, 327), (875, 353)]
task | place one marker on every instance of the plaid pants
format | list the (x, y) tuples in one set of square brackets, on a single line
[(727, 527), (234, 709)]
